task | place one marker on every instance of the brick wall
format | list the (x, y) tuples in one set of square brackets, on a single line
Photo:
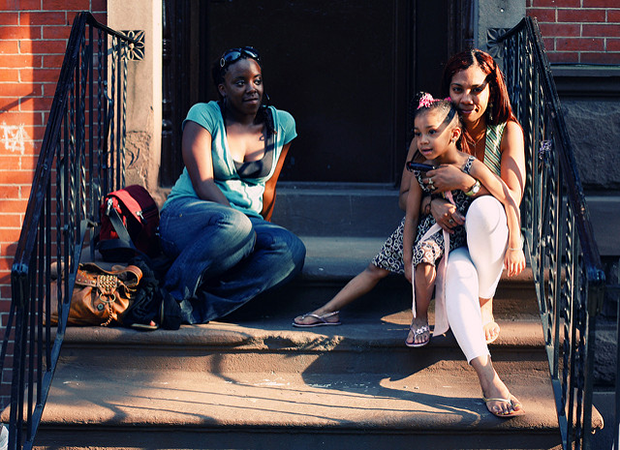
[(579, 31), (33, 38)]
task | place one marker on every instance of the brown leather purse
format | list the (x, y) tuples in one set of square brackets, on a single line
[(100, 297)]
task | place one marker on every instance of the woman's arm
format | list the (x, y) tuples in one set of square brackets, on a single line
[(513, 160), (196, 152), (269, 197), (514, 259), (412, 214)]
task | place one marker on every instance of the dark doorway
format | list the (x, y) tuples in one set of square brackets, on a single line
[(345, 69)]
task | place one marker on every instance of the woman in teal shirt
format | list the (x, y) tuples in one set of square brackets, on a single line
[(215, 222)]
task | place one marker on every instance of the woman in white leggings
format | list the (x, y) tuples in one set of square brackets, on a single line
[(475, 84), (474, 272)]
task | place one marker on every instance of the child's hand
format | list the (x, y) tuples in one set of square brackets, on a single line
[(514, 262)]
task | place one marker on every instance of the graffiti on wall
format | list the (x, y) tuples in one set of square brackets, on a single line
[(13, 138)]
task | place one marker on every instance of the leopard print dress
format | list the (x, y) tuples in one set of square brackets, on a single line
[(431, 250)]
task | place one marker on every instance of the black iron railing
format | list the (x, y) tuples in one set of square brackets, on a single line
[(82, 155), (569, 276)]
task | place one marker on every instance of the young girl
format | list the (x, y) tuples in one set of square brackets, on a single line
[(390, 258), (437, 131)]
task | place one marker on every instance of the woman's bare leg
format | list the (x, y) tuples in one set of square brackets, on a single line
[(494, 388)]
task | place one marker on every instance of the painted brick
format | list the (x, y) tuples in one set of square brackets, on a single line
[(16, 90), (600, 3), (8, 19), (53, 61), (45, 18), (17, 118), (8, 235), (605, 30), (98, 5), (68, 5), (13, 206), (613, 45), (43, 75), (56, 32), (30, 104), (22, 177), (613, 15), (549, 44), (20, 5), (5, 292), (8, 75), (11, 163), (563, 57), (559, 30), (49, 47), (556, 3), (12, 220), (542, 14), (600, 58), (38, 75), (9, 47), (9, 192), (579, 44), (581, 15), (21, 32), (20, 61)]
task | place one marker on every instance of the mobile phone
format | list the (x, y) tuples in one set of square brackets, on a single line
[(411, 166)]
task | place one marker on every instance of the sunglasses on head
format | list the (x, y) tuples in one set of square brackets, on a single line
[(234, 54)]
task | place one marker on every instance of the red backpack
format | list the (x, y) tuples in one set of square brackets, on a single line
[(129, 224)]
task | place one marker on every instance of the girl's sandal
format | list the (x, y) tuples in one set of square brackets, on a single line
[(423, 330), (320, 320)]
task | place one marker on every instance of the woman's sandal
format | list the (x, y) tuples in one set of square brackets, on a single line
[(418, 332), (321, 320), (513, 413)]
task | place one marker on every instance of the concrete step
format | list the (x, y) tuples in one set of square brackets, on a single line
[(332, 261), (371, 210), (222, 385), (254, 381)]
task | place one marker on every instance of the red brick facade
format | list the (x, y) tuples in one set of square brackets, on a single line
[(33, 37), (579, 31)]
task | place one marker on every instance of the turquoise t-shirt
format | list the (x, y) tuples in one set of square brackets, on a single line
[(244, 194)]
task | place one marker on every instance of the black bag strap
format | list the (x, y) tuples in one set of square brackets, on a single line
[(120, 228)]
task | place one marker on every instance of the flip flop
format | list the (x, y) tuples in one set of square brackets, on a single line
[(321, 320), (423, 329), (518, 412)]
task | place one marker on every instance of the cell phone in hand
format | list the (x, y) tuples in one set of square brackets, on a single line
[(411, 166)]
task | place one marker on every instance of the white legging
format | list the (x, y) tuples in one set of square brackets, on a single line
[(474, 272)]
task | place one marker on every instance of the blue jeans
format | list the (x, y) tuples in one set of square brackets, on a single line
[(223, 258)]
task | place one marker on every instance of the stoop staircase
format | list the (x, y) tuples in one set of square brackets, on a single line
[(253, 381)]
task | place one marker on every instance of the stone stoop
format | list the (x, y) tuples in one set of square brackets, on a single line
[(254, 381)]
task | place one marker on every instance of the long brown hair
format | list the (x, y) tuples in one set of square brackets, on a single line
[(498, 97)]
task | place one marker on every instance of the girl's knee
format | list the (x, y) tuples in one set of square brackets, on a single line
[(375, 272)]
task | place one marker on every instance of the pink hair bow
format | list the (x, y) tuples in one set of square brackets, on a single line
[(427, 100)]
